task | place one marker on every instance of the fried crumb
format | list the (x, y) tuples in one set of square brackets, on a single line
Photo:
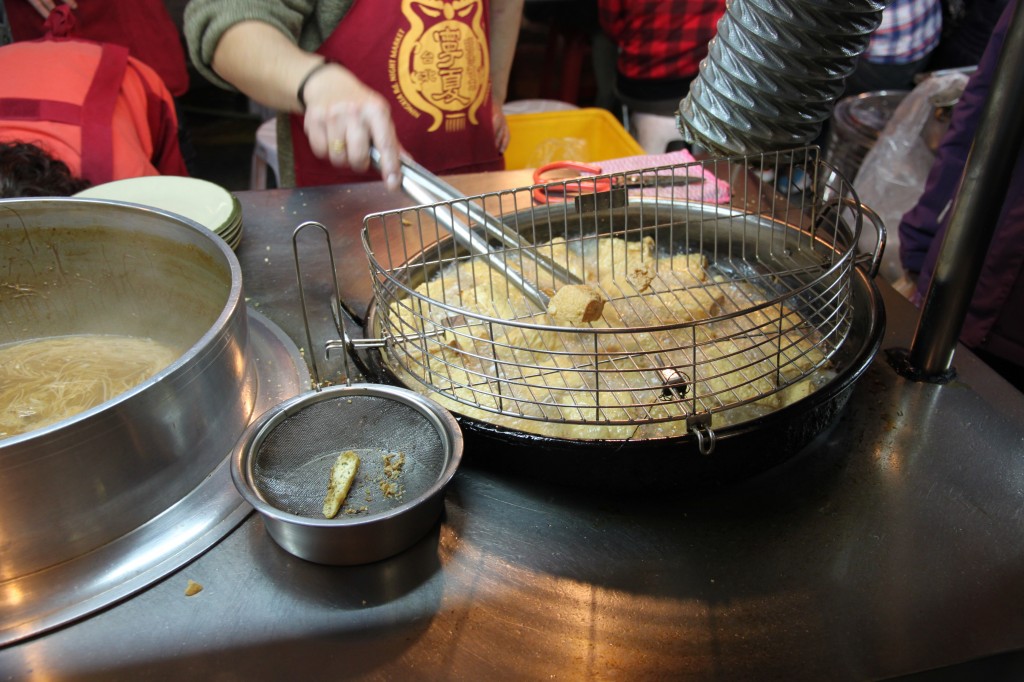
[(640, 277), (393, 464), (390, 489), (193, 588)]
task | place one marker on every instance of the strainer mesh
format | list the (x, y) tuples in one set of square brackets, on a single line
[(291, 466)]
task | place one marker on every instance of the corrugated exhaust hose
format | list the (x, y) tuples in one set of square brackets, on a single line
[(774, 72)]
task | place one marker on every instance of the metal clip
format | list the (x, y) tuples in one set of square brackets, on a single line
[(700, 426)]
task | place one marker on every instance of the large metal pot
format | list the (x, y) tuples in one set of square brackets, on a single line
[(72, 266)]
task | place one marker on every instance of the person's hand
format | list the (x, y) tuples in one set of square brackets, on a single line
[(501, 131), (344, 117), (45, 6)]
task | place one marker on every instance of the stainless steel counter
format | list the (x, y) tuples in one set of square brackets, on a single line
[(893, 544)]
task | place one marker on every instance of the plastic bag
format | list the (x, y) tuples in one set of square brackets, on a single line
[(892, 176)]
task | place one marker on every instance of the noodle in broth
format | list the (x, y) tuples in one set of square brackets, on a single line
[(45, 380)]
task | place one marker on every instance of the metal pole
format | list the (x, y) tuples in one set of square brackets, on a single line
[(975, 212)]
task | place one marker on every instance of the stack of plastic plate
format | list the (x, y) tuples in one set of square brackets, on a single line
[(202, 201)]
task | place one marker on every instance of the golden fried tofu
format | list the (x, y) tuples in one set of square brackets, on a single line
[(495, 370), (694, 264), (342, 474), (613, 257), (640, 277), (575, 304)]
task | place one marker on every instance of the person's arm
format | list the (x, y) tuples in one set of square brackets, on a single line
[(343, 117), (263, 63), (506, 17)]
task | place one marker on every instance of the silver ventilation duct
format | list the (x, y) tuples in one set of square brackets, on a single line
[(774, 71)]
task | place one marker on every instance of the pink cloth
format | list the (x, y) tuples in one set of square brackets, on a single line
[(712, 189)]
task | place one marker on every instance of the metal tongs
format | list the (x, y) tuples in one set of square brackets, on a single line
[(427, 188)]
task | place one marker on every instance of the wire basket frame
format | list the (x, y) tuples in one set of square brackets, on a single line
[(708, 309)]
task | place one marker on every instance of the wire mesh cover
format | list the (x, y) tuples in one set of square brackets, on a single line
[(292, 465), (707, 309)]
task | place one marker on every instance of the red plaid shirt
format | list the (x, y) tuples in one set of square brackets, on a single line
[(660, 39), (909, 31)]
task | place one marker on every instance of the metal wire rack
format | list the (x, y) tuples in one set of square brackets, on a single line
[(707, 308)]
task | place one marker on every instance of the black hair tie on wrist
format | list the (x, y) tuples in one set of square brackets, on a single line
[(301, 92)]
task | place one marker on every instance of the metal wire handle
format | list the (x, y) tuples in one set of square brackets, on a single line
[(335, 304)]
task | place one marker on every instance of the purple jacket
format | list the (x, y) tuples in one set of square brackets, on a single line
[(995, 318)]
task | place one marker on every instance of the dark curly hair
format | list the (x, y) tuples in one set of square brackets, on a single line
[(26, 170)]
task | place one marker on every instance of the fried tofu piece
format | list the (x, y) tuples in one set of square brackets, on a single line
[(614, 259), (670, 307), (342, 474), (636, 263), (575, 304), (640, 277), (556, 251), (695, 264)]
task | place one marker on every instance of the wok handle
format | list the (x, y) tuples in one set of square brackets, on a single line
[(879, 225), (874, 259), (338, 309)]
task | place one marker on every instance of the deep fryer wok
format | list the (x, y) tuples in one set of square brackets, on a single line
[(672, 463)]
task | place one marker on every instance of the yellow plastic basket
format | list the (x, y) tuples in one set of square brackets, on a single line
[(588, 134)]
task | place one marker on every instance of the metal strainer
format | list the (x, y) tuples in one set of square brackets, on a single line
[(376, 427), (409, 449)]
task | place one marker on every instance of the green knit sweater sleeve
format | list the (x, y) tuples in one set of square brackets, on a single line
[(306, 22)]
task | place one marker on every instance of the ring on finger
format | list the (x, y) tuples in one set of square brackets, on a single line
[(337, 146)]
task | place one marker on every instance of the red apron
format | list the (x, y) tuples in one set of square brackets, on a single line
[(430, 59), (94, 116), (145, 27)]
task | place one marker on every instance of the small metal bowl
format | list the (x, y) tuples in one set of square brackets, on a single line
[(282, 464)]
